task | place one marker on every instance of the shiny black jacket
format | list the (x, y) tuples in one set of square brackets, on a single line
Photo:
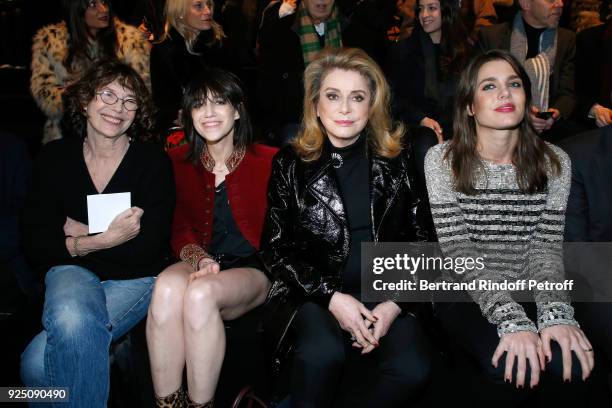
[(306, 238)]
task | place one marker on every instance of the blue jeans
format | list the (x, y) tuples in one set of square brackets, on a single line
[(81, 317)]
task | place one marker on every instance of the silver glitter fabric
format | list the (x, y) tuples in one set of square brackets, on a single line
[(519, 230)]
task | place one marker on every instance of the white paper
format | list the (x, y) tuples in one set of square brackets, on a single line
[(103, 208)]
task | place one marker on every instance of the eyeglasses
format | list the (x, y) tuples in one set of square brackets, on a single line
[(109, 98)]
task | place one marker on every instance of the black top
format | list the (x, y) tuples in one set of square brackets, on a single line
[(533, 39), (226, 237), (59, 189), (173, 66), (419, 88), (353, 174)]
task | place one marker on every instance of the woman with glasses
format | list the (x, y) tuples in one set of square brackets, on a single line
[(98, 286), (62, 52)]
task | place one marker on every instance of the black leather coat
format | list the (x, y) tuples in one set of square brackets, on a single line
[(306, 238)]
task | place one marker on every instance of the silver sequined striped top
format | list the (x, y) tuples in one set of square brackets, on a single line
[(518, 227)]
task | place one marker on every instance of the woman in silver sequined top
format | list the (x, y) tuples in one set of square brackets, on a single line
[(497, 184)]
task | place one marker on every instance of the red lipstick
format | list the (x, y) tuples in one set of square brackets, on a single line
[(505, 108)]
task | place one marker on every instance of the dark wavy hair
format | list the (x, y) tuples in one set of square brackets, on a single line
[(454, 39), (74, 11), (533, 158), (219, 84), (78, 95)]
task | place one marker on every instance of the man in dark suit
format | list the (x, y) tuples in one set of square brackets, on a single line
[(589, 221), (593, 70), (547, 54)]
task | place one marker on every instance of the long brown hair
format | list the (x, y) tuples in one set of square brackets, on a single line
[(79, 42), (534, 160), (454, 39), (383, 135)]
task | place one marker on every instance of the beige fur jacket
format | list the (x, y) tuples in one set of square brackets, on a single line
[(50, 76)]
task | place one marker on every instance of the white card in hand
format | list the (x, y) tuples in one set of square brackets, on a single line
[(103, 208)]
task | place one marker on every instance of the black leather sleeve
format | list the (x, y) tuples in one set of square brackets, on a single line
[(285, 257)]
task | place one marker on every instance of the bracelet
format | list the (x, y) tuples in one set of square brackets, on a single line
[(75, 246)]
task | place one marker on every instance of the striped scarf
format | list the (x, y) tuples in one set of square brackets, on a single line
[(309, 37), (538, 68)]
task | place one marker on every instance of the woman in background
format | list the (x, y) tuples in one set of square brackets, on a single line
[(424, 68), (62, 52), (192, 41)]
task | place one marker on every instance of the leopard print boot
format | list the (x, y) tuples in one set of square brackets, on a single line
[(191, 404), (174, 400)]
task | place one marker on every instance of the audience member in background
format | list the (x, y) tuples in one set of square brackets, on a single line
[(192, 41), (98, 286), (496, 180), (546, 52), (476, 14), (588, 220), (62, 52), (424, 69), (331, 190), (402, 23), (594, 71), (147, 15), (221, 180), (291, 35)]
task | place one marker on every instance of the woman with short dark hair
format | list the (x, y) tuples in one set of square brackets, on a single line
[(98, 286), (221, 179)]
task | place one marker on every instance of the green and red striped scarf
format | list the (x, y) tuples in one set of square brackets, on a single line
[(309, 37)]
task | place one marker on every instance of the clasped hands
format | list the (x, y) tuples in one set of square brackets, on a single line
[(366, 326), (526, 346)]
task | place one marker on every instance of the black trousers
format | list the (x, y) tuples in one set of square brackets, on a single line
[(328, 371), (596, 321), (473, 336)]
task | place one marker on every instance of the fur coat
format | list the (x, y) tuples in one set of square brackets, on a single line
[(50, 76)]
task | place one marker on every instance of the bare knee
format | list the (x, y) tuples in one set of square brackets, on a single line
[(200, 304), (167, 300)]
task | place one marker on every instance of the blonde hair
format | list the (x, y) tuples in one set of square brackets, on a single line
[(384, 136), (175, 10)]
